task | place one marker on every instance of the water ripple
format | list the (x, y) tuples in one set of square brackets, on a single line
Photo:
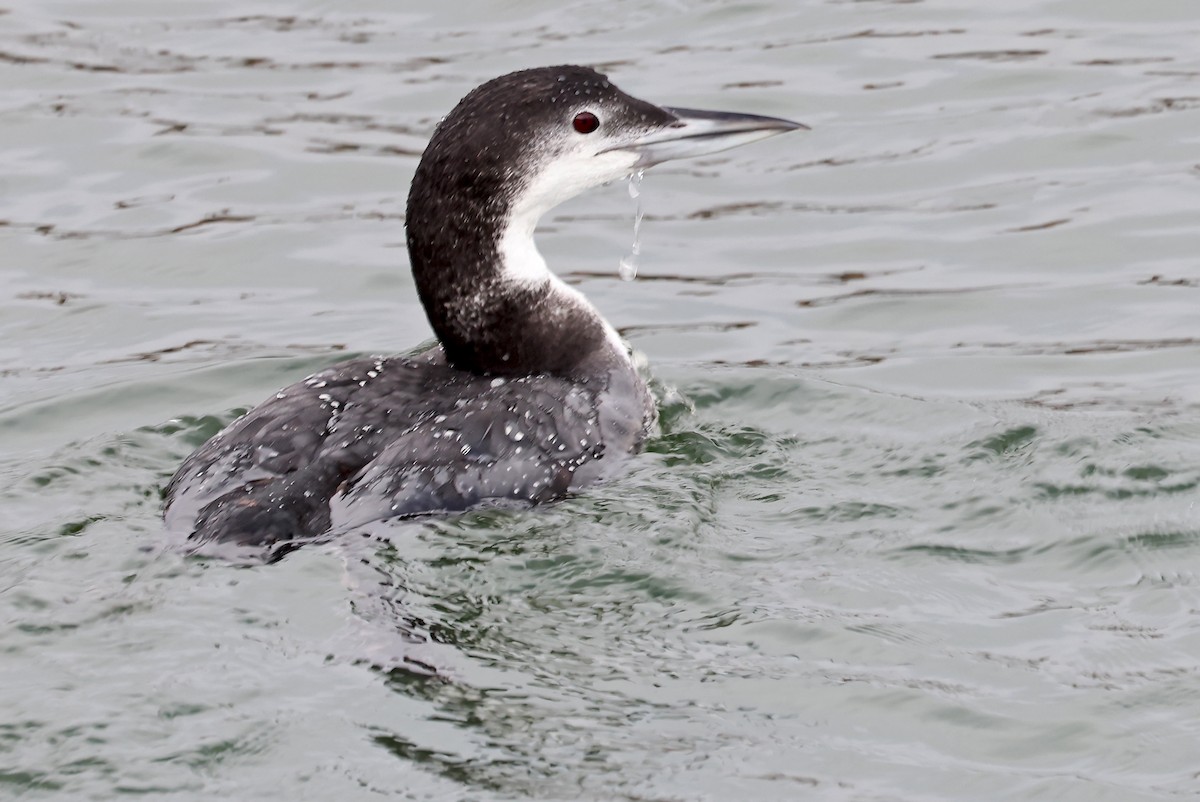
[(920, 521)]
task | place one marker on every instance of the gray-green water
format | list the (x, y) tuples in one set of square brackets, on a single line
[(922, 520)]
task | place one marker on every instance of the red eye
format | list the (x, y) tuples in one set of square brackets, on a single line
[(585, 122)]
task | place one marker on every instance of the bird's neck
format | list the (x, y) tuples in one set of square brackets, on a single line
[(491, 300)]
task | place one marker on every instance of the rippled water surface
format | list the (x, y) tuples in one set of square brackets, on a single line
[(921, 522)]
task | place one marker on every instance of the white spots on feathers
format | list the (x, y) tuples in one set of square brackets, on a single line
[(418, 437)]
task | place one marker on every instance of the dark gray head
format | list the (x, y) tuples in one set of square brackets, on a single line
[(511, 150), (513, 129)]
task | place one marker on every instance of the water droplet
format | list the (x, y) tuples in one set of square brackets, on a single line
[(628, 267)]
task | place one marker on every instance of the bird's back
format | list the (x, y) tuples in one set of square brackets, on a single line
[(375, 438)]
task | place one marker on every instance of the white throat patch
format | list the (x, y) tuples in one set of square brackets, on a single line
[(567, 175)]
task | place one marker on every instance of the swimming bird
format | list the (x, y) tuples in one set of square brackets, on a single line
[(528, 394)]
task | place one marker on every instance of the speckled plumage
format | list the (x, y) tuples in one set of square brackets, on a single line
[(375, 438)]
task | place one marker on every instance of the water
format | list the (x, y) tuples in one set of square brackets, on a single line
[(921, 523), (628, 266)]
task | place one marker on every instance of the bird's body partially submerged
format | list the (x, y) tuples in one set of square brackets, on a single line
[(529, 394)]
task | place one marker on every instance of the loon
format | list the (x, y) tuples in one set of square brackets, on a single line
[(529, 392)]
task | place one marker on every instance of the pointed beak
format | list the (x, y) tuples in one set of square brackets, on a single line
[(698, 133)]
